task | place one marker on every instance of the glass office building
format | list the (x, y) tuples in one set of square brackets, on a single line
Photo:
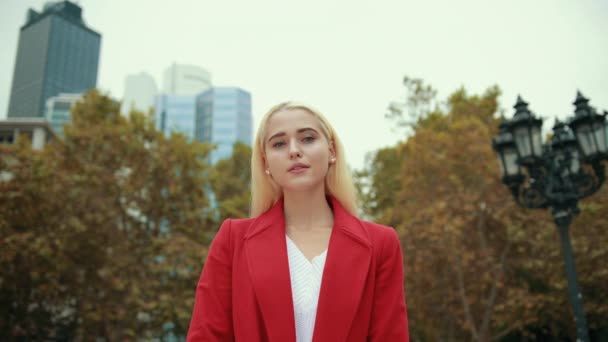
[(57, 53), (175, 113), (59, 111), (223, 117)]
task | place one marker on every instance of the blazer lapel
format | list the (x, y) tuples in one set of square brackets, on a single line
[(266, 250), (344, 276)]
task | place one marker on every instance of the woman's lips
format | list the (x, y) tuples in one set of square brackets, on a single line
[(298, 169)]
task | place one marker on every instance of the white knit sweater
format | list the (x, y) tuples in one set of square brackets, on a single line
[(305, 285)]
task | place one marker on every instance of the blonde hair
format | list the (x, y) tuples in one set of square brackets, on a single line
[(265, 192)]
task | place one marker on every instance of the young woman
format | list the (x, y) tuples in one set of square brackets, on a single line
[(303, 267)]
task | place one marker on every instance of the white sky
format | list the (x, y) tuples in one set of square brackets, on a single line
[(347, 58)]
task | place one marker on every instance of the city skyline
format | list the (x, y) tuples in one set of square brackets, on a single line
[(348, 58)]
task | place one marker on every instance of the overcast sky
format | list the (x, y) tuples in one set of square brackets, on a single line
[(347, 58)]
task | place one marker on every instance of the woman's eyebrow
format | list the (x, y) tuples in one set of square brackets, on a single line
[(280, 134)]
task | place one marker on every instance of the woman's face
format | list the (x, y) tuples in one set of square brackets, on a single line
[(297, 153)]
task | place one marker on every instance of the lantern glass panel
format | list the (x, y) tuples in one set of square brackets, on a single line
[(600, 136), (510, 160), (575, 164), (536, 141), (522, 140), (561, 161), (585, 139)]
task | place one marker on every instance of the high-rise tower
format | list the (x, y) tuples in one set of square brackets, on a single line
[(57, 53), (223, 117)]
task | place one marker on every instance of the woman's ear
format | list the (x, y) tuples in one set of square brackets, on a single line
[(332, 149)]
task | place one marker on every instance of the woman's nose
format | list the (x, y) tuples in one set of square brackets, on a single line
[(294, 150)]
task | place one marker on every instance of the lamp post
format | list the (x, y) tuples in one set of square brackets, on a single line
[(556, 174)]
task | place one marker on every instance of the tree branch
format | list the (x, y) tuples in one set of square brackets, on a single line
[(463, 297)]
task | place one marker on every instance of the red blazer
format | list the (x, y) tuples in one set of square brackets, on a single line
[(244, 292)]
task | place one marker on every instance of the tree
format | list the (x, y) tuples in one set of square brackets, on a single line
[(103, 232), (231, 182), (477, 266), (419, 102), (378, 183)]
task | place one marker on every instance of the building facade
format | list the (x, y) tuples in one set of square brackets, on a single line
[(140, 92), (59, 111), (57, 53), (181, 79), (37, 130), (223, 117), (175, 113)]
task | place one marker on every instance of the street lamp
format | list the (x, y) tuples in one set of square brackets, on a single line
[(556, 174)]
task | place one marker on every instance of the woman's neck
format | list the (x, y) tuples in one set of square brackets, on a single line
[(307, 211)]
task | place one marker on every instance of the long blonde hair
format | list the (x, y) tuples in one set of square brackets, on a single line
[(338, 181)]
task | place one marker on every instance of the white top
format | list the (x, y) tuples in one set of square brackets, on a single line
[(305, 285)]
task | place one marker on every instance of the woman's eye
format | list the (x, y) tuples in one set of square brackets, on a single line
[(278, 144), (308, 139)]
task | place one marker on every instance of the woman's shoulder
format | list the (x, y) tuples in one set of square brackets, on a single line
[(241, 221), (232, 230), (237, 225), (384, 240), (377, 228), (380, 234)]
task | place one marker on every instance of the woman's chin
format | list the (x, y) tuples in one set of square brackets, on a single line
[(301, 185)]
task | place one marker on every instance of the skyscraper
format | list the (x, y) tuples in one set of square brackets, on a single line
[(140, 91), (57, 53), (181, 79), (175, 113), (223, 117)]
